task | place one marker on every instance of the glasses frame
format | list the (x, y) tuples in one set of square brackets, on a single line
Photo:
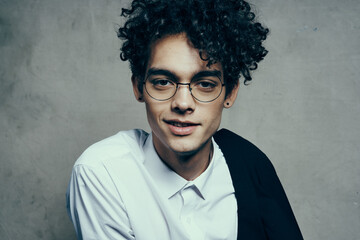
[(184, 84)]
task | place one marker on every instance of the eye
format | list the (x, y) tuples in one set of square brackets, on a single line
[(161, 83), (205, 85)]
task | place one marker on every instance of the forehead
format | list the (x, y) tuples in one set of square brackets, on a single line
[(176, 54)]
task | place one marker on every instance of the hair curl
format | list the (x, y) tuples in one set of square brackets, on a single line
[(223, 31)]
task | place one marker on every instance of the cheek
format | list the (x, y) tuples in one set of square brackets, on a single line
[(153, 112), (214, 115)]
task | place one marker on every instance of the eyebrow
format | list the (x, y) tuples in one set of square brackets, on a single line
[(158, 71), (205, 73)]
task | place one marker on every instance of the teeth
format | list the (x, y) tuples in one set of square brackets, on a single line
[(177, 124)]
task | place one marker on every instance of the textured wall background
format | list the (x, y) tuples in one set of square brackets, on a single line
[(63, 87)]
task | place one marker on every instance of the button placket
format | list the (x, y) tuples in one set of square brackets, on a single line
[(190, 199)]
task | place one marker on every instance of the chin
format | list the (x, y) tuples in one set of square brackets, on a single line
[(187, 147), (185, 152)]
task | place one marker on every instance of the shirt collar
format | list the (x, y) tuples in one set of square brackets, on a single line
[(200, 181), (168, 181)]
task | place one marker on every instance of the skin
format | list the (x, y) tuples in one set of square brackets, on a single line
[(185, 150)]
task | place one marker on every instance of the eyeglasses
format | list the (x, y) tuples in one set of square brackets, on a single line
[(203, 90)]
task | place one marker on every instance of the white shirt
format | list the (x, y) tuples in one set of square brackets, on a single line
[(121, 189)]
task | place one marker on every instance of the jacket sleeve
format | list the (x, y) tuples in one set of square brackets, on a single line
[(277, 215), (264, 211)]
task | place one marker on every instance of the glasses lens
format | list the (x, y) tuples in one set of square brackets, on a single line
[(203, 90), (160, 89), (206, 90)]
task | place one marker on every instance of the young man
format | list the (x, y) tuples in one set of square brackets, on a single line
[(184, 180)]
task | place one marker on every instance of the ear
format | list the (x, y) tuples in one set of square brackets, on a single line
[(135, 83), (231, 97)]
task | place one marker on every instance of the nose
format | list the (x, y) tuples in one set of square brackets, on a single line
[(183, 101)]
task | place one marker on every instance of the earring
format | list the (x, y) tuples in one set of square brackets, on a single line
[(227, 104)]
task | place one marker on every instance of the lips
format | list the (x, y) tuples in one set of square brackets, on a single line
[(181, 124), (181, 128)]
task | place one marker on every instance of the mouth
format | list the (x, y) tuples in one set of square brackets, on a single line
[(181, 128), (180, 123), (177, 123)]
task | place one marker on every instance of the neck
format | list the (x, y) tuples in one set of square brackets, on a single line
[(188, 165)]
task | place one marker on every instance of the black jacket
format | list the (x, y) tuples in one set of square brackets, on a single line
[(264, 211)]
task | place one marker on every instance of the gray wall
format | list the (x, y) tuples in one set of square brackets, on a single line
[(63, 87)]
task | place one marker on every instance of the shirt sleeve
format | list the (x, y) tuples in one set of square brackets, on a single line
[(95, 206)]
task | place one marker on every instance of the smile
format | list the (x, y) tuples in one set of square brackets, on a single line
[(181, 128), (181, 124)]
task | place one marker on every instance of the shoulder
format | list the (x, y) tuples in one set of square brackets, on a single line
[(234, 144), (117, 146), (240, 153), (259, 193)]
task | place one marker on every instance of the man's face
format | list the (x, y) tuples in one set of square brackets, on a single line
[(181, 124)]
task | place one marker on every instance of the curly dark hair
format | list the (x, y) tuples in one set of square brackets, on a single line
[(223, 31)]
